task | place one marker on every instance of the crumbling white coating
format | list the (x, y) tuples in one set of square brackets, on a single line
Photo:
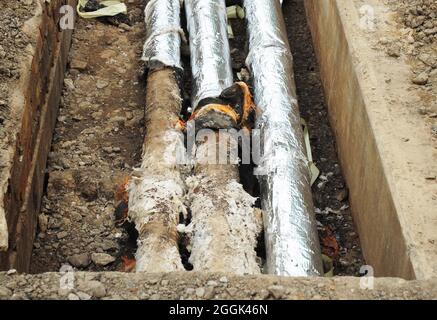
[(156, 194), (225, 227)]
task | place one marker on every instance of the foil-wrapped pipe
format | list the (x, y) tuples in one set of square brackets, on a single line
[(209, 48), (163, 39), (292, 244)]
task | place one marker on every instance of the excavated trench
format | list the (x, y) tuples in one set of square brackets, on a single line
[(98, 142)]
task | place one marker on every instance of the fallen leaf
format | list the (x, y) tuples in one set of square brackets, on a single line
[(128, 264)]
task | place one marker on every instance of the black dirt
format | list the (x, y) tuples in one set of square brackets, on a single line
[(335, 223)]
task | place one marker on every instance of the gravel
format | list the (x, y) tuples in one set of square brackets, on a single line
[(97, 141), (102, 259), (115, 285)]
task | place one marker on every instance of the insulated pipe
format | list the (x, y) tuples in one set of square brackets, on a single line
[(157, 190), (224, 225), (210, 53), (292, 244)]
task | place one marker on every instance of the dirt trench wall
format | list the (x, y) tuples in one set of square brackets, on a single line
[(34, 103)]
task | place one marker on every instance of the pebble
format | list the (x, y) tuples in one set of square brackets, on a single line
[(94, 288), (69, 84), (72, 296), (62, 235), (79, 260), (209, 293), (212, 283), (224, 279), (277, 291), (83, 295), (434, 129), (101, 84), (421, 79), (5, 293), (11, 272), (164, 283), (102, 259), (200, 292), (78, 64), (43, 221)]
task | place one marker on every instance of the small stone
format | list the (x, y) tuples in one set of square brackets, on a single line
[(212, 283), (102, 259), (277, 291), (5, 293), (421, 79), (83, 295), (209, 293), (79, 260), (101, 84), (231, 291), (434, 129), (189, 291), (223, 279), (200, 292), (94, 288), (107, 149), (423, 111), (164, 283), (72, 296), (11, 272), (43, 222), (125, 26), (78, 64), (62, 235), (69, 84), (394, 51)]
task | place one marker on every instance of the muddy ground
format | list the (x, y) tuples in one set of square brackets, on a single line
[(98, 141)]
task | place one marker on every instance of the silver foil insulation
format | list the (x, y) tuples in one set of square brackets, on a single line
[(163, 38), (209, 48), (292, 244)]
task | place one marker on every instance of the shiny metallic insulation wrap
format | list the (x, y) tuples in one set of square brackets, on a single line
[(292, 244), (163, 40), (210, 62)]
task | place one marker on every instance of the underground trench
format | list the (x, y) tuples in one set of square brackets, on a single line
[(76, 225), (43, 258)]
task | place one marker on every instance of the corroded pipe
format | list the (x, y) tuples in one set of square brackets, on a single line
[(224, 224), (157, 190)]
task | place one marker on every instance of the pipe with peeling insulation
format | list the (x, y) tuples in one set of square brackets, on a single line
[(157, 190), (224, 224), (292, 244)]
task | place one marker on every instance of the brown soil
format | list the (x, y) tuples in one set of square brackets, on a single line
[(97, 141)]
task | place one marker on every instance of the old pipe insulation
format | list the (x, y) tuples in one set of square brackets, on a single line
[(225, 225), (292, 244), (157, 190)]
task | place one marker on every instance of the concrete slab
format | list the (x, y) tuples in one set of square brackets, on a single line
[(386, 150)]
